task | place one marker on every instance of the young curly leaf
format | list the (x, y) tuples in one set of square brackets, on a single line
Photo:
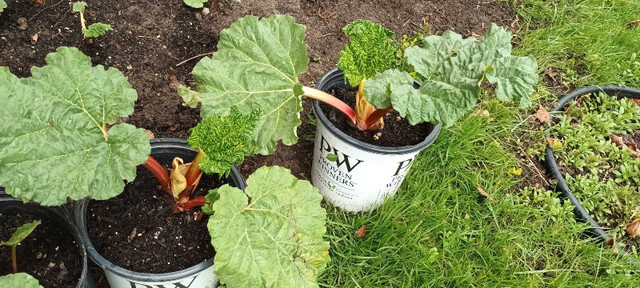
[(455, 70), (78, 7), (256, 67), (54, 141), (224, 140), (21, 233), (22, 280), (272, 236), (96, 30), (2, 5), (370, 51), (195, 3)]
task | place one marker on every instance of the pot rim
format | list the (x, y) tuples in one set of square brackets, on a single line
[(69, 226), (333, 75), (550, 160), (80, 217)]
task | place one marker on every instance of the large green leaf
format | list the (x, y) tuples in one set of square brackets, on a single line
[(255, 68), (273, 235), (21, 233), (54, 136), (455, 71), (22, 280)]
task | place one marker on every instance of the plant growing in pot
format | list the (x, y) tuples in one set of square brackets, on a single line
[(258, 63)]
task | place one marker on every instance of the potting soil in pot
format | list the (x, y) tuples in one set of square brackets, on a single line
[(138, 230), (49, 253), (396, 132)]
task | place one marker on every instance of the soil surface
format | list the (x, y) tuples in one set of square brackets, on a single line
[(139, 231), (50, 254), (151, 38), (396, 132)]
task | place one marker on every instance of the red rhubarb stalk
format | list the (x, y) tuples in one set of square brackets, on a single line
[(194, 170), (157, 170), (195, 202), (332, 101)]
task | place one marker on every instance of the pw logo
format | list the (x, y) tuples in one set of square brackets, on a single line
[(342, 158)]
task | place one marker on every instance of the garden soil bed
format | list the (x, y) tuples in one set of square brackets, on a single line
[(151, 37), (50, 253), (396, 132), (138, 230)]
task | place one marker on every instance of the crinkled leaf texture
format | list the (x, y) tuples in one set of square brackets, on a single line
[(370, 50), (455, 70), (2, 5), (21, 233), (22, 280), (224, 140), (273, 235), (53, 140), (195, 3), (78, 7), (256, 67), (96, 30)]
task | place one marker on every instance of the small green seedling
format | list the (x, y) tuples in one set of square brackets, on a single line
[(195, 3), (22, 280), (94, 30), (21, 233), (2, 5)]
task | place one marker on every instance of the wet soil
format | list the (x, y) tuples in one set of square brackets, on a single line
[(397, 131), (151, 38), (49, 253), (139, 231)]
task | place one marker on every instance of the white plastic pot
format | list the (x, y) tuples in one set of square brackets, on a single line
[(364, 175)]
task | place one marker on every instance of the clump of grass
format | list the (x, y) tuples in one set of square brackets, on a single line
[(439, 232), (589, 41), (604, 177)]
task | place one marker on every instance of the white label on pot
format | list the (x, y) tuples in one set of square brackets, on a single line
[(203, 279), (352, 178)]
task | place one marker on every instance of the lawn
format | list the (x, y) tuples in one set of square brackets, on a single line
[(440, 231)]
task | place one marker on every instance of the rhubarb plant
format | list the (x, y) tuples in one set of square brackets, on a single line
[(58, 133), (2, 5), (94, 30), (221, 142), (22, 280), (272, 236), (195, 3), (18, 236), (258, 62)]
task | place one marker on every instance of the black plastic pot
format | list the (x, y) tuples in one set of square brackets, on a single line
[(550, 159), (376, 172), (164, 149), (57, 215)]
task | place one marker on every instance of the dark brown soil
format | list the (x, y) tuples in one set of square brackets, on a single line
[(138, 230), (151, 37), (396, 132), (50, 254)]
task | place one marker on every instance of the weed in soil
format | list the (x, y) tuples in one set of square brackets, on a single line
[(50, 254)]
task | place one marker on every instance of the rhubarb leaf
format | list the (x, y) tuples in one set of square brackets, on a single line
[(195, 3), (78, 7), (21, 233), (22, 280), (2, 5), (455, 71), (96, 30), (370, 51), (54, 141), (224, 140), (273, 235), (256, 67)]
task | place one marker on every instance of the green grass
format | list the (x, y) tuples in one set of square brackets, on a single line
[(439, 232), (589, 42)]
